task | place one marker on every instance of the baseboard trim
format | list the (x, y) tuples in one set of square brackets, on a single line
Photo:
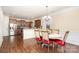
[(73, 42)]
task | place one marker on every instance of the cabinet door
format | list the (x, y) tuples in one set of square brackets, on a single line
[(37, 23), (18, 32)]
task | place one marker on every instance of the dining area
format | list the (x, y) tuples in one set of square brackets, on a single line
[(47, 38)]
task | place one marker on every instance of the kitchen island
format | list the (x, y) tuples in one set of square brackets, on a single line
[(28, 33)]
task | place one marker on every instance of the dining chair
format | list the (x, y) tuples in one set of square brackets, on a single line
[(37, 36), (54, 31), (49, 31), (62, 42), (45, 38)]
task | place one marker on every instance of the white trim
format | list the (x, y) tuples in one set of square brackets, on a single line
[(73, 42)]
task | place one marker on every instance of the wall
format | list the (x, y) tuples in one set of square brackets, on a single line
[(68, 19), (1, 18), (4, 21), (6, 25)]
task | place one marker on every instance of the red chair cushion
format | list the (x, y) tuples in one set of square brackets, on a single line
[(59, 42), (52, 40), (38, 39), (47, 41)]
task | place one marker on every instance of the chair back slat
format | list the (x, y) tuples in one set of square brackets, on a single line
[(45, 35), (65, 35), (49, 31), (37, 33)]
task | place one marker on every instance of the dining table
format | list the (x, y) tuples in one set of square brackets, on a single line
[(51, 35), (55, 36)]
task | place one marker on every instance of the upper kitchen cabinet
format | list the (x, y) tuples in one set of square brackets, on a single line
[(38, 23)]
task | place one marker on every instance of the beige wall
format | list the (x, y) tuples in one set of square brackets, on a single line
[(67, 19), (1, 22), (4, 20), (5, 25)]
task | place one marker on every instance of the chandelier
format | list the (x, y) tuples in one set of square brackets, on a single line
[(47, 18)]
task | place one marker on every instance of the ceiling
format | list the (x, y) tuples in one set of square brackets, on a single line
[(29, 12)]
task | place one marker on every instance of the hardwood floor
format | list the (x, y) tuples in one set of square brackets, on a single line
[(16, 44)]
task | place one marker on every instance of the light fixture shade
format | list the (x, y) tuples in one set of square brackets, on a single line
[(47, 22), (46, 18)]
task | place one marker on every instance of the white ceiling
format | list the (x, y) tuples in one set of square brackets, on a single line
[(29, 12)]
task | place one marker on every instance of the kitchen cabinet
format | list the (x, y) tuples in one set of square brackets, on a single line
[(38, 23), (18, 31)]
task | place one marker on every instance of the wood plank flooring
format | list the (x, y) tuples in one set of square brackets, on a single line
[(16, 44)]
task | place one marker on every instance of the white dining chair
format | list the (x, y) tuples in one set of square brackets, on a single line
[(62, 42), (37, 36), (45, 38)]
